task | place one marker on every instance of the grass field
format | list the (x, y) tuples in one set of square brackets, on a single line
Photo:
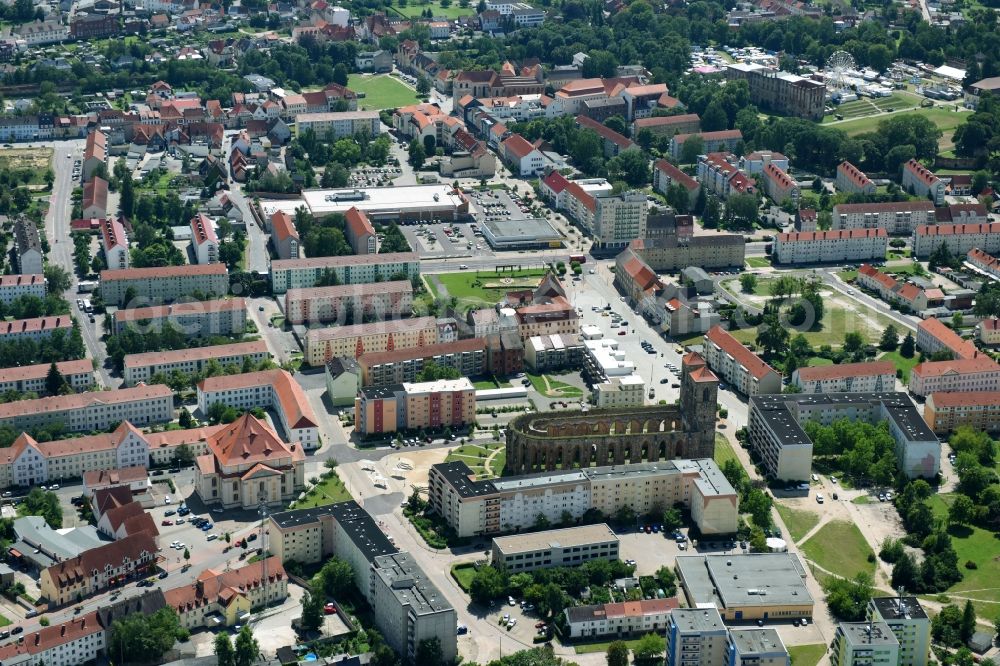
[(591, 648), (818, 361), (806, 655), (837, 322), (758, 262), (797, 521), (904, 364), (867, 106), (463, 575), (723, 450), (476, 456), (329, 491), (554, 388), (453, 11), (483, 287), (839, 548), (482, 383), (979, 546), (35, 162), (946, 121), (381, 92)]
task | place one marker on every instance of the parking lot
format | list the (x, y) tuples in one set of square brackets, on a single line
[(375, 176), (446, 240), (498, 205)]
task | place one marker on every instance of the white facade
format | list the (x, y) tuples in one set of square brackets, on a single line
[(618, 220), (895, 217), (811, 247), (85, 412), (618, 392), (13, 287)]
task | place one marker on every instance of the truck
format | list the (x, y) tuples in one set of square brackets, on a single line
[(578, 258)]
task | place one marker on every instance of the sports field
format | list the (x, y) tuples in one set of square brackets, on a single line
[(381, 92)]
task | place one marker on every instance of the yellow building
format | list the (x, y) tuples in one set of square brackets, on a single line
[(323, 344), (227, 598), (415, 406)]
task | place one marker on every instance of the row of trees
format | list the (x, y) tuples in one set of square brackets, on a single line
[(864, 451), (161, 338), (61, 345)]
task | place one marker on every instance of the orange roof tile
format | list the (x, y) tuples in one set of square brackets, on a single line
[(753, 363)]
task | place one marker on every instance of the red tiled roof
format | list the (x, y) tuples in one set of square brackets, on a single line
[(95, 193), (132, 548), (964, 399), (291, 398), (949, 338), (163, 272), (666, 121), (37, 324), (957, 229), (854, 174), (921, 172), (53, 636), (358, 223), (582, 196), (222, 587), (427, 351), (21, 279), (283, 227), (201, 229), (246, 441), (196, 354), (605, 133), (188, 308), (885, 207), (845, 370), (835, 234), (113, 234), (753, 363), (676, 175), (721, 135), (80, 400), (517, 146), (65, 368), (555, 181), (961, 366), (775, 173)]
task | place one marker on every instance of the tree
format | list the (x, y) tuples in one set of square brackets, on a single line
[(145, 638), (758, 541), (772, 336), (692, 148), (417, 154), (946, 627), (187, 554), (907, 349), (337, 577), (224, 653), (429, 652), (649, 647), (45, 504), (423, 86), (617, 654), (968, 621), (748, 282), (54, 381), (904, 573), (848, 599), (184, 419), (312, 612), (631, 166), (890, 339), (340, 74), (667, 581), (488, 584), (961, 510), (57, 277), (672, 520), (247, 649)]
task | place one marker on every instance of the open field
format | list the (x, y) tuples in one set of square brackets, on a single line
[(837, 322), (866, 106), (723, 450), (904, 364), (839, 548), (381, 92), (806, 655), (463, 574), (483, 287), (553, 388), (979, 546), (329, 491), (478, 458), (451, 12), (798, 521), (758, 262), (946, 120), (34, 161), (590, 648)]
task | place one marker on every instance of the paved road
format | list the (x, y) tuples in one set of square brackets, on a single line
[(61, 249), (830, 278)]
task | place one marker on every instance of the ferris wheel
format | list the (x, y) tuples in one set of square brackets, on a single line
[(839, 66)]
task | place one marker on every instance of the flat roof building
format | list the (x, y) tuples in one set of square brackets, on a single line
[(414, 202), (864, 643), (756, 647), (746, 587), (567, 547), (908, 622), (696, 637)]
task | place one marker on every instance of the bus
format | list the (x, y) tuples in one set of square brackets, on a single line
[(578, 258)]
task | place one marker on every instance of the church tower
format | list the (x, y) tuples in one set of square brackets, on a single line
[(699, 406)]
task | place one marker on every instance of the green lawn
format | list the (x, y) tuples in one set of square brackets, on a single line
[(4, 621), (591, 648), (979, 546), (862, 499), (946, 121), (758, 262), (476, 455), (723, 450), (329, 491), (837, 322), (806, 655), (499, 462), (453, 11), (484, 287), (904, 364), (839, 548), (798, 521), (847, 276), (555, 388), (818, 361), (463, 575), (381, 91)]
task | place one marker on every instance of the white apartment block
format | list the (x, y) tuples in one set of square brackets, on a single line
[(922, 182), (39, 328), (620, 392), (142, 367), (965, 374), (78, 640), (99, 410), (739, 366), (270, 389), (696, 637), (618, 220), (852, 180), (813, 247), (204, 242), (872, 377), (337, 125), (985, 263), (164, 284), (15, 286), (31, 378), (196, 319), (480, 507), (351, 269), (909, 624), (756, 647), (959, 238), (28, 462), (568, 547), (896, 217), (378, 301), (864, 644)]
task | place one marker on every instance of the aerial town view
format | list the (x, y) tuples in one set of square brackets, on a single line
[(500, 332)]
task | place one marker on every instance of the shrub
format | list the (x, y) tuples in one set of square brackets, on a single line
[(969, 564)]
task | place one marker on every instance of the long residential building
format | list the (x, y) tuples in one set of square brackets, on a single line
[(921, 181), (958, 238), (28, 462), (445, 403), (351, 269), (335, 125), (567, 547), (229, 594), (164, 284), (623, 618), (673, 252), (853, 180), (37, 328), (142, 367), (722, 141), (31, 378), (323, 344), (845, 245), (196, 319), (469, 356), (980, 373), (739, 366), (778, 185), (268, 389), (934, 336), (407, 607), (944, 412), (902, 294), (896, 217), (96, 569), (98, 410), (375, 301), (871, 377), (78, 640), (986, 263), (666, 175), (474, 507), (777, 436), (15, 286)]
